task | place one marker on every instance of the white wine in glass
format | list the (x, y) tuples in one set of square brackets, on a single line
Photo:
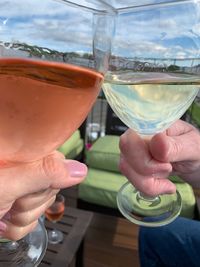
[(150, 102)]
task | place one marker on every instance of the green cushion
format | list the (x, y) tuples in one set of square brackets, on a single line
[(194, 112), (76, 150), (101, 187), (104, 153), (188, 199), (73, 146), (176, 179)]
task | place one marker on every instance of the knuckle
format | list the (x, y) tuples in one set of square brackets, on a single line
[(123, 166), (52, 167), (122, 143), (19, 205), (173, 152), (153, 187), (148, 187), (58, 154), (21, 219), (15, 232), (176, 150), (145, 187)]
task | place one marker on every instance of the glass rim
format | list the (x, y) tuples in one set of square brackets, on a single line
[(154, 4), (60, 198), (115, 7), (102, 7), (45, 245)]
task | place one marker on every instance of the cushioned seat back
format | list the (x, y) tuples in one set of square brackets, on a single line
[(72, 146), (104, 153)]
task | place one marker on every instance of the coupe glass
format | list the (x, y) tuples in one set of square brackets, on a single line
[(53, 56), (152, 79)]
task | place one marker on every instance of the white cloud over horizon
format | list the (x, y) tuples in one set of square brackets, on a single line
[(163, 32), (166, 32), (45, 23)]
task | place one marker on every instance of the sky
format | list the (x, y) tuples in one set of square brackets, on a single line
[(159, 32), (45, 23), (167, 32)]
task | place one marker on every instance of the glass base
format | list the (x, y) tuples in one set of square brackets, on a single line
[(27, 252), (55, 236), (146, 211)]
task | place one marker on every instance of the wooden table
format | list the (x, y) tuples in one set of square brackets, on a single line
[(74, 225)]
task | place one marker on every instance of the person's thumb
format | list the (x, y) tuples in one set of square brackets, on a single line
[(182, 147), (65, 173), (50, 172)]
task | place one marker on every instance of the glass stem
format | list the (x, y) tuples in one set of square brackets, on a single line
[(144, 197), (146, 137)]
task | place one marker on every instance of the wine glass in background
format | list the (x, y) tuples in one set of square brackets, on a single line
[(53, 56), (153, 77), (54, 214)]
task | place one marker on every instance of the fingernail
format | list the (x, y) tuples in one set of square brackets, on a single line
[(76, 169), (3, 227)]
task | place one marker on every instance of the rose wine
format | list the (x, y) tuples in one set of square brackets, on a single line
[(42, 103), (55, 213), (150, 102)]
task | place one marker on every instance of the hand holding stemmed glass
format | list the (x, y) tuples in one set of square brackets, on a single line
[(54, 214), (53, 57), (153, 78)]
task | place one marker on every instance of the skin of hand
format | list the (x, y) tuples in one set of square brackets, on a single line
[(147, 163), (28, 189)]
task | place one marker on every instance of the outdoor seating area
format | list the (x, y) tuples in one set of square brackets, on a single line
[(109, 234), (79, 188)]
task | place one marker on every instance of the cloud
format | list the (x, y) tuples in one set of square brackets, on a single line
[(46, 23), (160, 33), (166, 32), (16, 8)]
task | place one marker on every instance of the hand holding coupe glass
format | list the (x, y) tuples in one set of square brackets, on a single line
[(53, 56), (27, 190), (27, 200), (179, 146), (153, 78)]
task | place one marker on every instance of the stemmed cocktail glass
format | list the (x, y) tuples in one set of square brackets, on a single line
[(53, 56), (54, 214), (153, 77)]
